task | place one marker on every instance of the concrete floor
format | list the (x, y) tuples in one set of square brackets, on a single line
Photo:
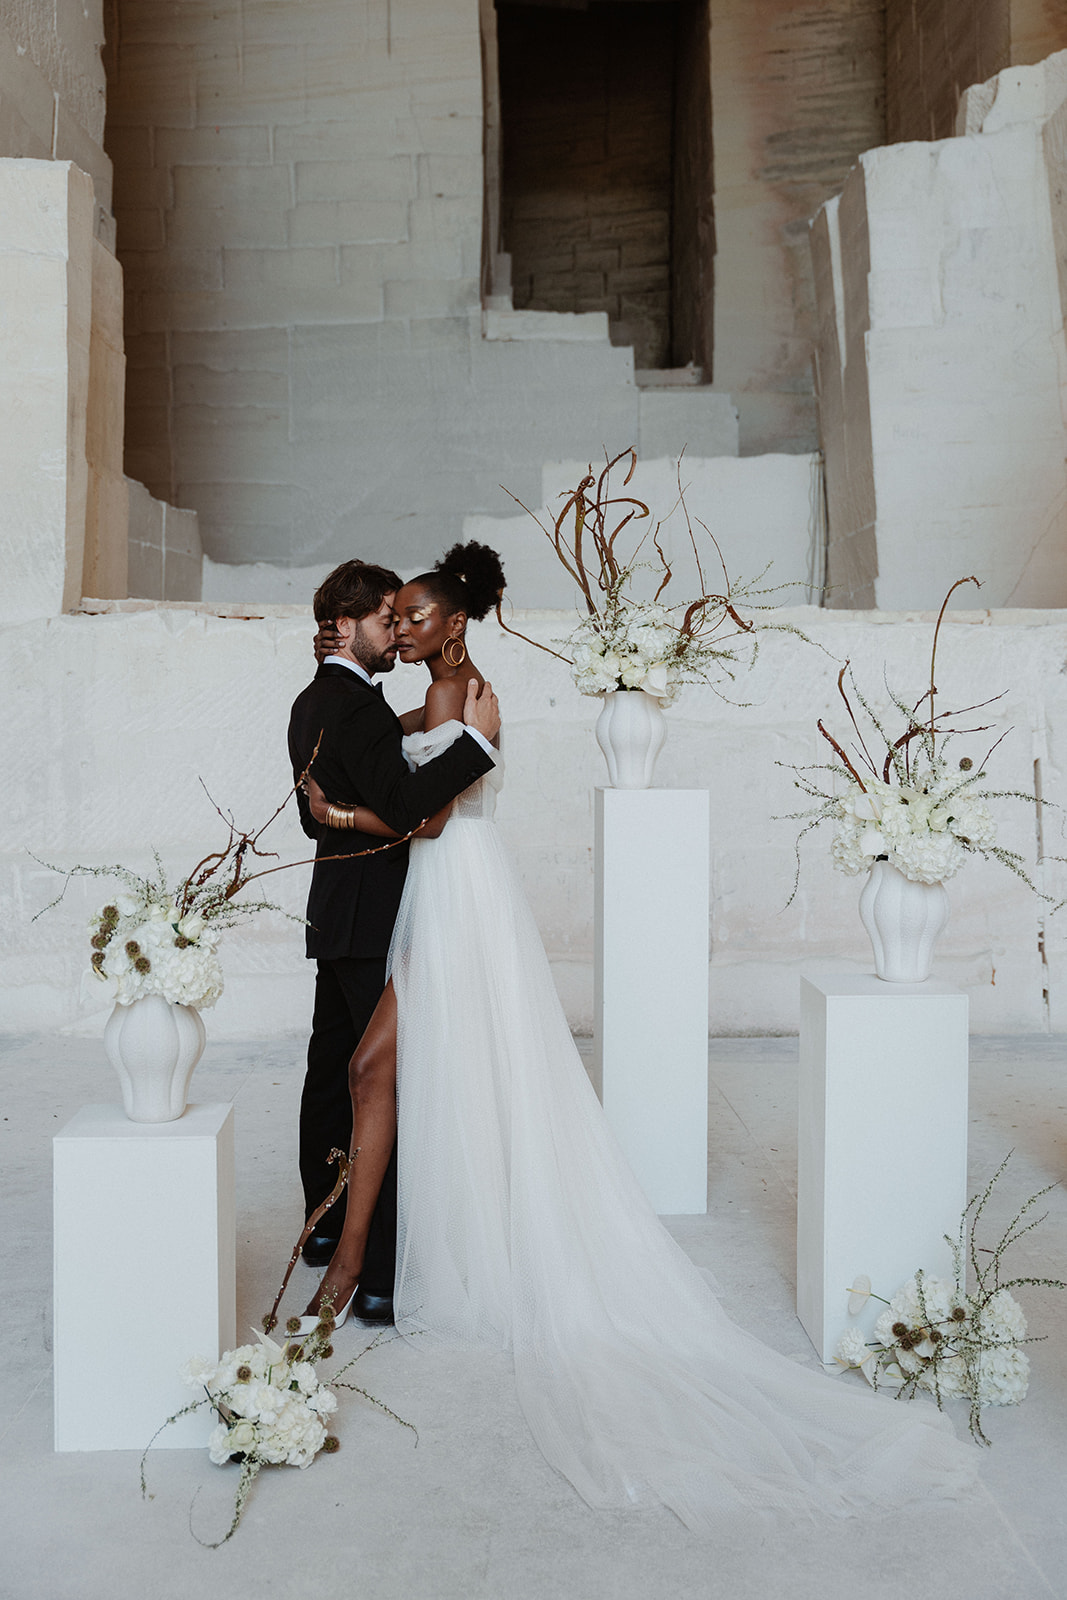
[(474, 1513)]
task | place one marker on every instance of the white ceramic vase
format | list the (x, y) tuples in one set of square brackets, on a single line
[(904, 920), (630, 730), (154, 1045)]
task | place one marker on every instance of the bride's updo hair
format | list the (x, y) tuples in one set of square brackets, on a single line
[(468, 578)]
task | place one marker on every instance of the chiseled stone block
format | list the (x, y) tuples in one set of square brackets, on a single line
[(46, 274), (432, 297), (212, 206), (313, 267), (27, 103), (697, 420), (348, 222), (375, 178), (144, 570), (940, 361), (162, 80)]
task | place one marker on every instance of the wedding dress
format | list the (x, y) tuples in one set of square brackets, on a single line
[(522, 1228)]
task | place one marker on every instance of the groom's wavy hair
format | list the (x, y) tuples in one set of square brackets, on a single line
[(354, 589)]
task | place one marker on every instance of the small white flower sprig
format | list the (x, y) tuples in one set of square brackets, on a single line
[(906, 804), (271, 1405), (938, 1336), (623, 643)]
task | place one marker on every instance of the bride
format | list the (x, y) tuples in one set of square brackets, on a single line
[(521, 1227)]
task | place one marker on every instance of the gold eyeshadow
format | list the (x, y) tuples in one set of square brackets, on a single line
[(421, 613)]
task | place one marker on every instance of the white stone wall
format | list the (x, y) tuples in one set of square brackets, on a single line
[(52, 87), (299, 200), (941, 362), (117, 717), (765, 511)]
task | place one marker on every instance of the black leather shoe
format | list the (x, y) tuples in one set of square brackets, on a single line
[(319, 1249), (372, 1307)]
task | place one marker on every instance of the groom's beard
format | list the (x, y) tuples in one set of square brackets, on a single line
[(368, 655)]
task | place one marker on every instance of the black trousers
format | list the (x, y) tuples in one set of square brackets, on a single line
[(346, 993)]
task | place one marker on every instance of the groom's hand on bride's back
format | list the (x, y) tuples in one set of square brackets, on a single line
[(481, 709)]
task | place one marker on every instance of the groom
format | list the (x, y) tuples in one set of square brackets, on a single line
[(353, 903)]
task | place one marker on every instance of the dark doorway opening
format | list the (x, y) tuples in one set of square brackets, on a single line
[(606, 190)]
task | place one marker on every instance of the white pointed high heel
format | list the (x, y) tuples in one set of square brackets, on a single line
[(308, 1324)]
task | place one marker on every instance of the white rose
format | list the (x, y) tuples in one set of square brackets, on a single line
[(242, 1436), (192, 926)]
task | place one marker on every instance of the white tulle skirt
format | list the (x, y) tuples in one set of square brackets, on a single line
[(522, 1228)]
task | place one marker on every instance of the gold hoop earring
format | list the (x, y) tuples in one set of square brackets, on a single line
[(460, 659)]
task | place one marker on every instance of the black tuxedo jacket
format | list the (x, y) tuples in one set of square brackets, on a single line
[(353, 904)]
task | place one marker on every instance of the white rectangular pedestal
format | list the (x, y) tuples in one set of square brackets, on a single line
[(651, 987), (144, 1263), (882, 1149)]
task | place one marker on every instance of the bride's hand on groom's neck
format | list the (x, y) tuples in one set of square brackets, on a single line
[(326, 642)]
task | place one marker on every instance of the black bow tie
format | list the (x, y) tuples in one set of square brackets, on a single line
[(378, 689)]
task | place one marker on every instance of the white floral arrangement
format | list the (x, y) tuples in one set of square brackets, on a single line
[(925, 827), (272, 1406), (938, 1336), (151, 939), (628, 649), (144, 945), (896, 798), (623, 642)]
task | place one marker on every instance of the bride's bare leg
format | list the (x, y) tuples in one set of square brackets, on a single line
[(372, 1078)]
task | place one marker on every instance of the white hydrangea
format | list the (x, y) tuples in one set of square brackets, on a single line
[(151, 950), (924, 829), (1003, 1316), (632, 648), (274, 1411), (1003, 1376), (986, 1337)]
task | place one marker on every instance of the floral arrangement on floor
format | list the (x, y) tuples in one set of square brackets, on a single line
[(272, 1407), (939, 1336), (625, 643), (906, 803)]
